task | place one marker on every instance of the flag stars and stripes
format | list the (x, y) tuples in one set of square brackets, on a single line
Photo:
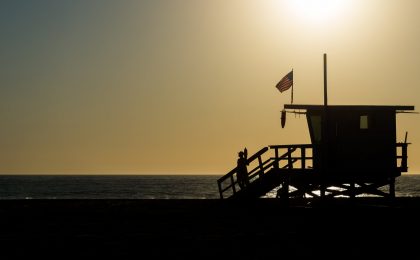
[(286, 82)]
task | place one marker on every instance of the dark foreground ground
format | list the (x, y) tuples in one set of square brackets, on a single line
[(209, 229)]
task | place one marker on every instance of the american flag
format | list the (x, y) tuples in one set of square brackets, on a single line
[(286, 82)]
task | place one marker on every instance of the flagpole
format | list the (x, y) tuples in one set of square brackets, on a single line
[(325, 81), (324, 127), (292, 86)]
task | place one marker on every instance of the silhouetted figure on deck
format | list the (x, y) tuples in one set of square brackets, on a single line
[(242, 170)]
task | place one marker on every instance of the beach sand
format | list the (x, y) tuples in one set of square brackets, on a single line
[(209, 229)]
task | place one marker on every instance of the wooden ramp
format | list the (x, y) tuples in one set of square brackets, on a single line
[(275, 178), (271, 167)]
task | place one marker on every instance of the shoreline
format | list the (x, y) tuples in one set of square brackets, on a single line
[(209, 228)]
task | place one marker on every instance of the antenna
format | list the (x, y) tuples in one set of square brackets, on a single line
[(324, 148), (325, 81)]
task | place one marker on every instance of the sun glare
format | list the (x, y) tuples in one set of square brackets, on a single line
[(318, 11)]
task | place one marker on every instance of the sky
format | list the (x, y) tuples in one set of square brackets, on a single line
[(180, 86)]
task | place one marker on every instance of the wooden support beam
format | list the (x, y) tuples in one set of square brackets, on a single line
[(392, 188), (233, 184), (289, 165), (313, 194), (322, 190), (303, 155), (289, 157), (276, 152), (404, 156), (261, 165), (352, 190)]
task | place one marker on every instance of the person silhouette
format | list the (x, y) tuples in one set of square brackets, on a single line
[(242, 170)]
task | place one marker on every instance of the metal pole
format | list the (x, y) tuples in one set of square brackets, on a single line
[(325, 131), (292, 86), (325, 81)]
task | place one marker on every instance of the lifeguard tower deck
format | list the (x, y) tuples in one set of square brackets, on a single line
[(353, 151)]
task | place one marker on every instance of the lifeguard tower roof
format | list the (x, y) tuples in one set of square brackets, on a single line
[(350, 107)]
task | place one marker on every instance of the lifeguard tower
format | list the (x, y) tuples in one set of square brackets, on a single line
[(353, 151)]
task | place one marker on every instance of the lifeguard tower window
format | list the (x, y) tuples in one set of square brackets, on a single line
[(364, 122)]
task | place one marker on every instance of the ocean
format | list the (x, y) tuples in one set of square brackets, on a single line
[(135, 187)]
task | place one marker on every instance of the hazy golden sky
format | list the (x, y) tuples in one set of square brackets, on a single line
[(180, 86)]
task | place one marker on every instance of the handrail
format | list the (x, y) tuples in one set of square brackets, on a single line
[(252, 158), (404, 165), (260, 152), (291, 145), (263, 166), (230, 174)]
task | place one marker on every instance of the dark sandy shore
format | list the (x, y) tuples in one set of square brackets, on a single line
[(209, 229)]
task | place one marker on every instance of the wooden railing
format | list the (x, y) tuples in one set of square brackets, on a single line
[(287, 151), (231, 177), (260, 163), (402, 156), (295, 156)]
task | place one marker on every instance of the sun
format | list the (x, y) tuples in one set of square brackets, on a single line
[(318, 11)]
